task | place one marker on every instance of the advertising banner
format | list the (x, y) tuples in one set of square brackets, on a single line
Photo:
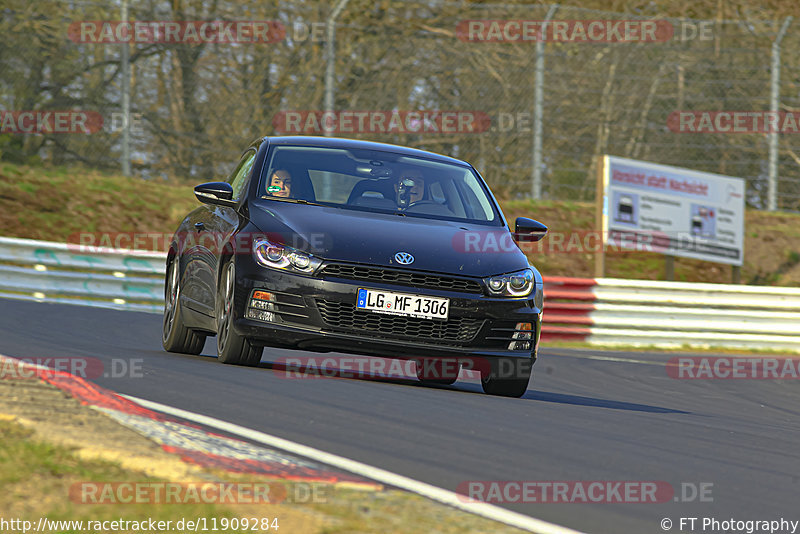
[(676, 211)]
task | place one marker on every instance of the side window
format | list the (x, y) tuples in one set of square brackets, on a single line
[(475, 199), (238, 179)]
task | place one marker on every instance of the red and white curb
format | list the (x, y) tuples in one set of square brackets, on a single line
[(193, 444), (205, 449), (160, 422)]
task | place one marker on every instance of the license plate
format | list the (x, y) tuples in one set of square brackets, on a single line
[(402, 304)]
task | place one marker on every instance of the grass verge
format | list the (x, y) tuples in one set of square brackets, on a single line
[(59, 203), (49, 442)]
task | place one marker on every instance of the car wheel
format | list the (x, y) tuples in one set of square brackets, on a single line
[(441, 372), (231, 347), (507, 377), (175, 336)]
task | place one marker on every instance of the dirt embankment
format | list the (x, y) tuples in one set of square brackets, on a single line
[(771, 250), (59, 204)]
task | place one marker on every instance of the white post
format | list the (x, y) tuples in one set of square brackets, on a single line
[(330, 57), (774, 104), (538, 95), (126, 100)]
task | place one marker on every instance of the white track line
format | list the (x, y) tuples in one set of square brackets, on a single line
[(447, 497), (603, 358)]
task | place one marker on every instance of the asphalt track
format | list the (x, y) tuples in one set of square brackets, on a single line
[(586, 416)]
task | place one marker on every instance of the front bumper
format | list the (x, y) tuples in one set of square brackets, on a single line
[(318, 314)]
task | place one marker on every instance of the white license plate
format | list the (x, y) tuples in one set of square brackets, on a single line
[(402, 304)]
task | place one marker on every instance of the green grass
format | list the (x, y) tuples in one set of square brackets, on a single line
[(36, 478), (40, 475), (57, 203)]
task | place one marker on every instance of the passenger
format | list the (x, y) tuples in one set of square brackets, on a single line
[(280, 184)]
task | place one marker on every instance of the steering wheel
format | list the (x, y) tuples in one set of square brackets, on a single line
[(422, 203)]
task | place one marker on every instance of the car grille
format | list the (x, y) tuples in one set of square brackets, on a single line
[(406, 278), (344, 316)]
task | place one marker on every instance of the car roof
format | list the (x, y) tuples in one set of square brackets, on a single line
[(340, 142)]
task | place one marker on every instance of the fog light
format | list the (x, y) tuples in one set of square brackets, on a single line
[(261, 305), (524, 333), (260, 315), (262, 300)]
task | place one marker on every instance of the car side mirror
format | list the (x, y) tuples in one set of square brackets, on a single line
[(215, 193), (529, 230)]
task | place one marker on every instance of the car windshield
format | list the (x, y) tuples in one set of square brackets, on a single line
[(378, 181)]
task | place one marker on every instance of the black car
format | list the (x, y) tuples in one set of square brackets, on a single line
[(327, 244)]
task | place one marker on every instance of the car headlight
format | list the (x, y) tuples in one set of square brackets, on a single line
[(518, 284), (285, 258)]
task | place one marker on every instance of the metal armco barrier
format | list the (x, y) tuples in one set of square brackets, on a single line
[(608, 311), (61, 272), (603, 311)]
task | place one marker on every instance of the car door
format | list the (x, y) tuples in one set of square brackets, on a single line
[(221, 223)]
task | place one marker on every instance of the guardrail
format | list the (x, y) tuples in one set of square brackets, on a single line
[(603, 311), (608, 311), (61, 272)]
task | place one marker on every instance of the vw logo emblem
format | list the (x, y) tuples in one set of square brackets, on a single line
[(404, 258)]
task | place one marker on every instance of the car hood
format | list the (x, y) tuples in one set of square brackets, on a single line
[(374, 238)]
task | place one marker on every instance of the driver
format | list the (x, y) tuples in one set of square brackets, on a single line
[(280, 184), (409, 188)]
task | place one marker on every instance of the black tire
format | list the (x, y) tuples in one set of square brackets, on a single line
[(175, 336), (436, 372), (507, 377), (231, 347)]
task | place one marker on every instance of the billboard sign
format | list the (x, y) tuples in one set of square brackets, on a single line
[(676, 211)]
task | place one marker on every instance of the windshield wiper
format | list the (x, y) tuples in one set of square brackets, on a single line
[(292, 200)]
